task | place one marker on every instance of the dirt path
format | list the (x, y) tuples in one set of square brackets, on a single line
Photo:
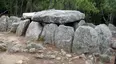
[(10, 37), (29, 58), (9, 58)]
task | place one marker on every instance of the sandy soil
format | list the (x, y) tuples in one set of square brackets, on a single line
[(28, 58)]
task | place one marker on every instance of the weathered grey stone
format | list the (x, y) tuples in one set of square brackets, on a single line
[(112, 29), (14, 27), (28, 15), (3, 46), (12, 19), (21, 29), (4, 23), (89, 24), (15, 19), (85, 40), (48, 33), (34, 31), (105, 58), (15, 47), (105, 36), (32, 50), (113, 44), (64, 37), (76, 25), (35, 45), (58, 16)]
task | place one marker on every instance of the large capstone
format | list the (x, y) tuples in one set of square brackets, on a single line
[(4, 23), (58, 16), (64, 37), (34, 30), (21, 29), (48, 33), (105, 36), (85, 40), (28, 15)]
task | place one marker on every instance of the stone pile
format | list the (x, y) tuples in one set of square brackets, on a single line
[(66, 29)]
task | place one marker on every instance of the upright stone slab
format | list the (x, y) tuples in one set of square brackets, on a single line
[(63, 37), (113, 44), (11, 20), (4, 23), (14, 19), (34, 30), (21, 29), (105, 36), (85, 40), (48, 33), (14, 27), (89, 24), (76, 25), (112, 29)]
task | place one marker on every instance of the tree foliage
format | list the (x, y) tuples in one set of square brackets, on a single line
[(97, 11)]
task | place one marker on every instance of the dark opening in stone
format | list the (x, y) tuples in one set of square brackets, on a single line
[(114, 21), (69, 24)]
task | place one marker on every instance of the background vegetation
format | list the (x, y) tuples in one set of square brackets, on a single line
[(97, 11)]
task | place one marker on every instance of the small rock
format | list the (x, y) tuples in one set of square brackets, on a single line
[(88, 62), (14, 47), (1, 42), (91, 57), (104, 58), (39, 56), (40, 51), (58, 58), (55, 52), (96, 54), (35, 45), (19, 62), (24, 50), (76, 57), (63, 52), (82, 56), (51, 56), (68, 55), (32, 50), (3, 47)]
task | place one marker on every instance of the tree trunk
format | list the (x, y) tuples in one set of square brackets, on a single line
[(115, 60), (16, 7), (111, 18), (21, 7), (50, 4)]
